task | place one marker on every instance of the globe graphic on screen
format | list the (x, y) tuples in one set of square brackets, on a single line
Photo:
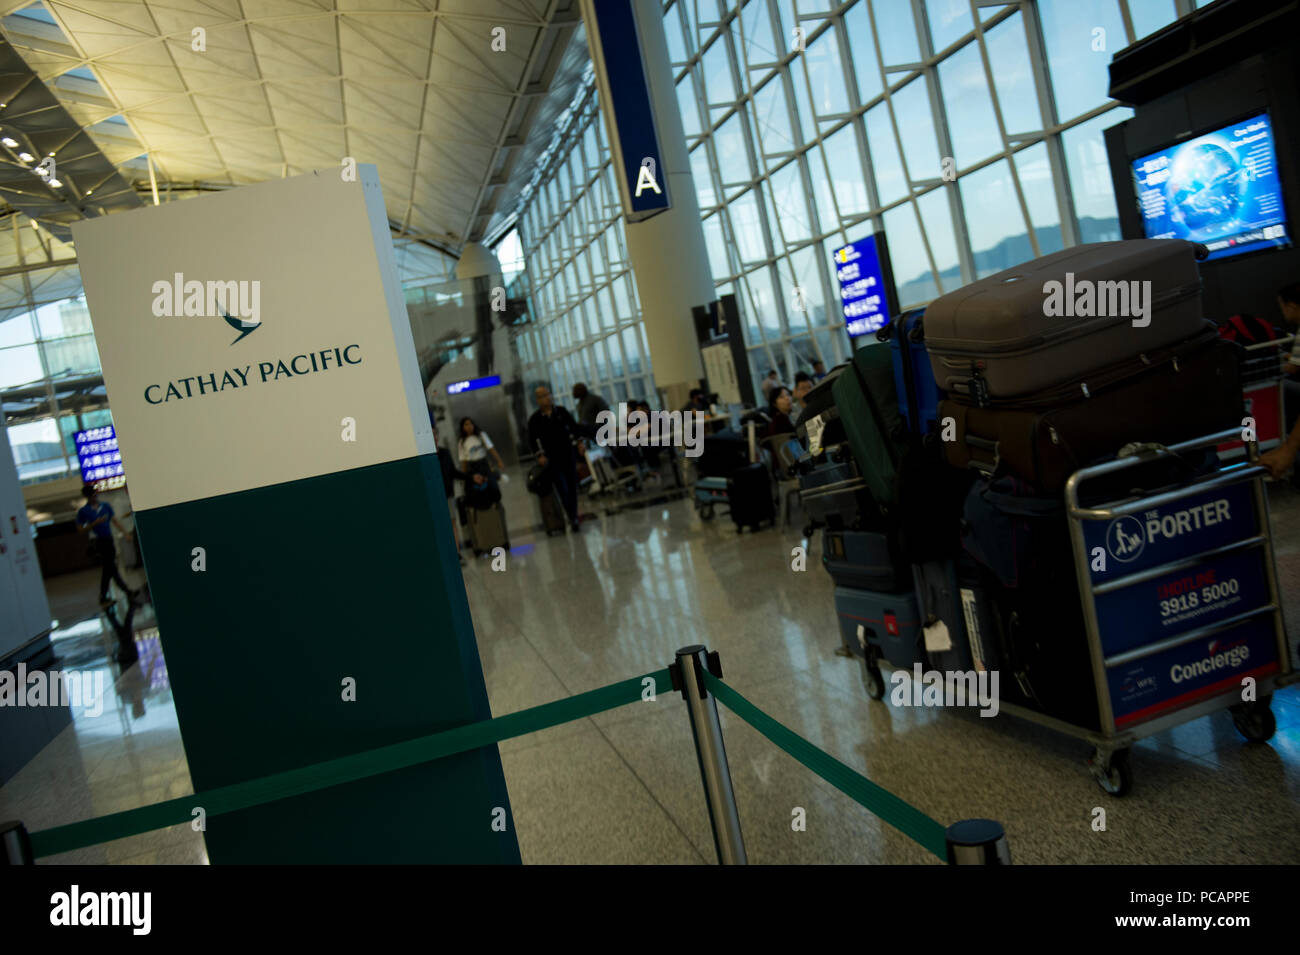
[(1206, 186)]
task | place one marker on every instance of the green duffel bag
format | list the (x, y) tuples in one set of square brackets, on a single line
[(867, 403)]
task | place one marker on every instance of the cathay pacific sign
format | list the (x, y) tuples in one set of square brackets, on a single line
[(223, 379), (239, 303)]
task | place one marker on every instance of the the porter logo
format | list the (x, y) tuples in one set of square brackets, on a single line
[(239, 303), (1124, 538)]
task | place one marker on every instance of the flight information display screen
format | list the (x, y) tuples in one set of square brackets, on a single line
[(860, 270), (100, 459), (1220, 189)]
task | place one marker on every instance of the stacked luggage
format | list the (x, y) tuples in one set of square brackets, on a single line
[(1000, 393)]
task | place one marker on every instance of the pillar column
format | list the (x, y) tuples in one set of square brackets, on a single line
[(665, 248)]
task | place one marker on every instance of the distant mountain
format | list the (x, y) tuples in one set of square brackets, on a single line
[(1012, 250)]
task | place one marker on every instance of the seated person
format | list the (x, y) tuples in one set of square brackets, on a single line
[(803, 384), (780, 404)]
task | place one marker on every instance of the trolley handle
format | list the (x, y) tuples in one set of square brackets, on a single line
[(1231, 474), (1234, 475)]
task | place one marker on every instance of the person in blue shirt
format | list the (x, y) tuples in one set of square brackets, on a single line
[(93, 519)]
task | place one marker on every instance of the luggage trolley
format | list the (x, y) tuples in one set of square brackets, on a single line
[(1263, 371), (1185, 610)]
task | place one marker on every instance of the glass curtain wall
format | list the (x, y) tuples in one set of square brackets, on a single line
[(811, 123), (51, 388), (581, 284)]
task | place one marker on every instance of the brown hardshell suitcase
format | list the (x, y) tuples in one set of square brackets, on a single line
[(1181, 393), (1063, 315)]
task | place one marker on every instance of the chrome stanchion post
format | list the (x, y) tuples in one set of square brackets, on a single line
[(15, 845), (688, 677), (977, 842)]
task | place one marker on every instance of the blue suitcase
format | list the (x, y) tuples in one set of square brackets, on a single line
[(864, 560), (918, 394), (890, 623)]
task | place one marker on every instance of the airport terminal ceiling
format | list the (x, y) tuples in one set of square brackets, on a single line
[(192, 96)]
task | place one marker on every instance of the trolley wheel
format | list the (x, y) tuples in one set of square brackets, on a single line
[(706, 512), (1255, 721), (1113, 774), (873, 681)]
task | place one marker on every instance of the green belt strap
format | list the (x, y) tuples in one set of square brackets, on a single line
[(346, 769), (907, 819)]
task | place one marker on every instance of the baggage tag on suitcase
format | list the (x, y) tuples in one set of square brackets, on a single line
[(815, 428), (937, 638)]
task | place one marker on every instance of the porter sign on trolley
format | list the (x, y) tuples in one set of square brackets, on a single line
[(291, 515)]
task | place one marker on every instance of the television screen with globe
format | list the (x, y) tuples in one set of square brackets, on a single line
[(1220, 189)]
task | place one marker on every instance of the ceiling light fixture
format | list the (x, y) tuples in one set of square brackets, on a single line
[(9, 141), (56, 184), (26, 157)]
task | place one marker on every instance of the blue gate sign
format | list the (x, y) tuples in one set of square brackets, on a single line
[(1164, 534), (636, 140), (1147, 688)]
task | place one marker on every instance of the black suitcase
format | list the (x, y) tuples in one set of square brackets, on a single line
[(939, 600), (749, 496), (1033, 599), (1170, 396), (721, 453), (864, 560), (552, 512)]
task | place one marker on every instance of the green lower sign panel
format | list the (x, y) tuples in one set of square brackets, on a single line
[(312, 620)]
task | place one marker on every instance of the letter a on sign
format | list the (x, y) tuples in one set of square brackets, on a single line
[(645, 178)]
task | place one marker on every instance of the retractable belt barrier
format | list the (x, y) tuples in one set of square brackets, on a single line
[(969, 842)]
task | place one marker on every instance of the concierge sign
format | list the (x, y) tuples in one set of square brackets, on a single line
[(866, 285)]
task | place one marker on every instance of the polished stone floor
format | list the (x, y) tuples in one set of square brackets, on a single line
[(574, 613)]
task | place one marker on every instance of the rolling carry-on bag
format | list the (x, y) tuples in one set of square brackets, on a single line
[(749, 495), (865, 560), (888, 622), (1061, 316), (1179, 393), (552, 512), (487, 529), (721, 453), (868, 408)]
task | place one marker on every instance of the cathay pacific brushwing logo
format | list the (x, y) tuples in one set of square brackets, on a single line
[(239, 302), (244, 328)]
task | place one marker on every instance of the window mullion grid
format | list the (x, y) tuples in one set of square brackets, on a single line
[(1002, 132), (1047, 105), (939, 120)]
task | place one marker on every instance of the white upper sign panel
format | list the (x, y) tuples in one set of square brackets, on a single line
[(238, 331)]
